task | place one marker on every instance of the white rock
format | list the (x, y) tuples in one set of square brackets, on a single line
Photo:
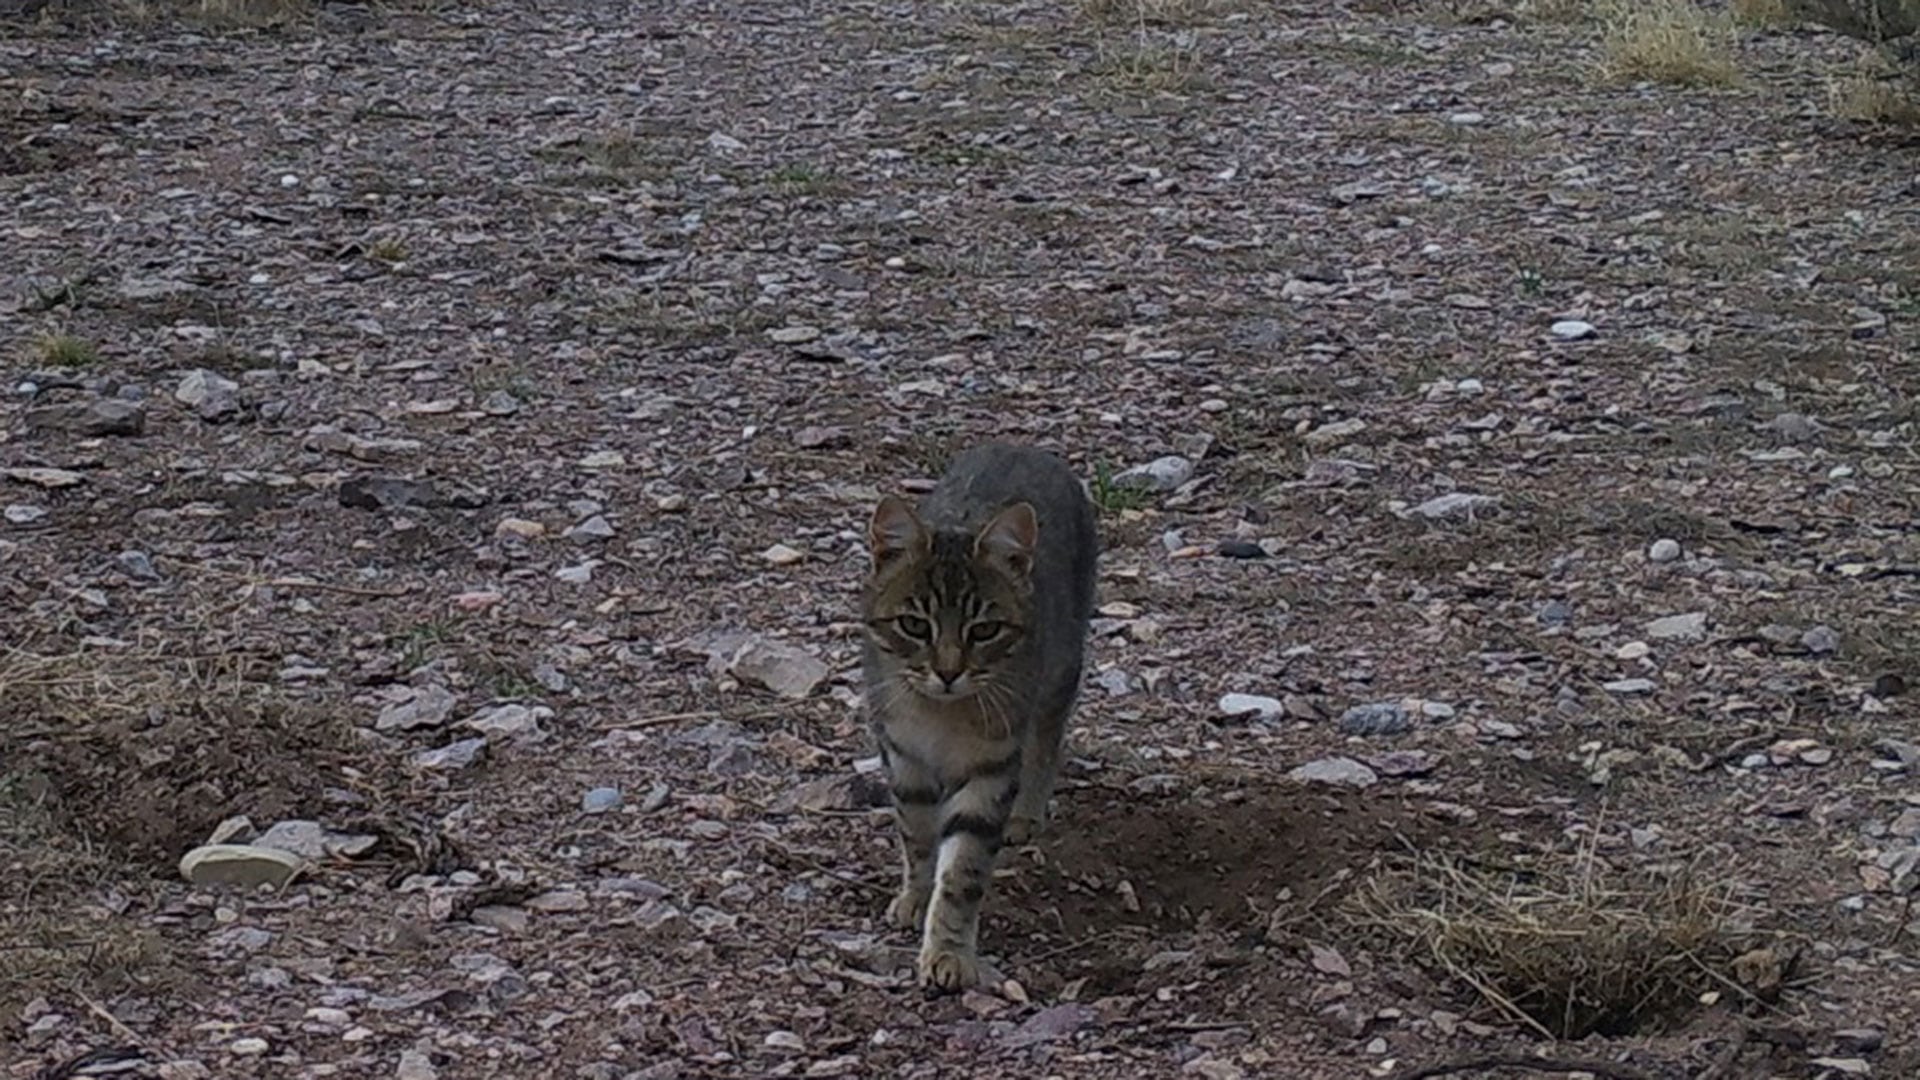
[(425, 706), (1691, 626), (1664, 550), (1456, 504), (1262, 708), (244, 865), (782, 555), (1339, 771), (1572, 330), (1628, 686), (1160, 474), (415, 1065), (454, 755), (1335, 433), (312, 840), (784, 669), (509, 722)]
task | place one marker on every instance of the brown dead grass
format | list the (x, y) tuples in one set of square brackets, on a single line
[(1140, 12), (1568, 946), (1763, 14), (1869, 98), (1669, 41), (113, 762)]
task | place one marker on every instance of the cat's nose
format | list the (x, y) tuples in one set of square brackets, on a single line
[(947, 681)]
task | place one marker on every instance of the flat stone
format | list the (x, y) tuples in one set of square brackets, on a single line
[(782, 555), (784, 669), (1572, 330), (425, 706), (248, 866), (312, 840), (1691, 626), (510, 722), (387, 493), (1629, 686), (1337, 771), (1251, 706), (1162, 474), (93, 419), (1457, 504), (454, 755), (793, 335), (1376, 718), (1820, 640), (210, 395), (600, 800), (1335, 433)]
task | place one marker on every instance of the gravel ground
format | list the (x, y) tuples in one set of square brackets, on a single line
[(456, 426)]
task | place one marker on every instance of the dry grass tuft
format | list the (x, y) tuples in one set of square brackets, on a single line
[(1569, 946), (1669, 41), (1763, 14), (113, 762), (1143, 12), (66, 351), (1870, 98), (1142, 66)]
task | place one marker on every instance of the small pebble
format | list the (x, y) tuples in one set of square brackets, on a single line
[(600, 800), (1572, 330), (1820, 640), (1664, 550), (1241, 549)]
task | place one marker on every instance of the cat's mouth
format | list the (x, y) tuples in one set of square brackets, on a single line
[(934, 688)]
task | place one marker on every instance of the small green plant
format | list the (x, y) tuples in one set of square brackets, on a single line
[(422, 643), (1531, 281), (799, 178), (66, 351), (1114, 498), (388, 250)]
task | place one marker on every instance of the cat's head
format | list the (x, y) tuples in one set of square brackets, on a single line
[(948, 607)]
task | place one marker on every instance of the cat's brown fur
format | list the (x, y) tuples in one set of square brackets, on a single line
[(976, 613)]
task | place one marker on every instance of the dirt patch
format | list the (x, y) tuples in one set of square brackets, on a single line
[(143, 755), (1185, 862)]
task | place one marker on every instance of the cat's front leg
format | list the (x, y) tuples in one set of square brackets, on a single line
[(973, 822), (916, 814)]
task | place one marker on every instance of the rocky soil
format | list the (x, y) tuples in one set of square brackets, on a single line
[(442, 437)]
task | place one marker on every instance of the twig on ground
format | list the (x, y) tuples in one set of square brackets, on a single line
[(689, 717), (1605, 1070)]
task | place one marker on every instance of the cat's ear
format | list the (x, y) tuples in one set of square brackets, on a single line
[(1007, 539), (895, 531)]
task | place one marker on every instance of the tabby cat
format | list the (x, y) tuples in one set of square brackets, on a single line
[(976, 617)]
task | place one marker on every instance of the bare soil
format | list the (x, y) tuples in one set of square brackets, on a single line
[(722, 273)]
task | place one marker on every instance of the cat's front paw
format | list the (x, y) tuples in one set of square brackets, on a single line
[(908, 909), (946, 968), (1022, 830)]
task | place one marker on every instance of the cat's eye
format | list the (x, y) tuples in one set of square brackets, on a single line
[(982, 632), (913, 626)]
